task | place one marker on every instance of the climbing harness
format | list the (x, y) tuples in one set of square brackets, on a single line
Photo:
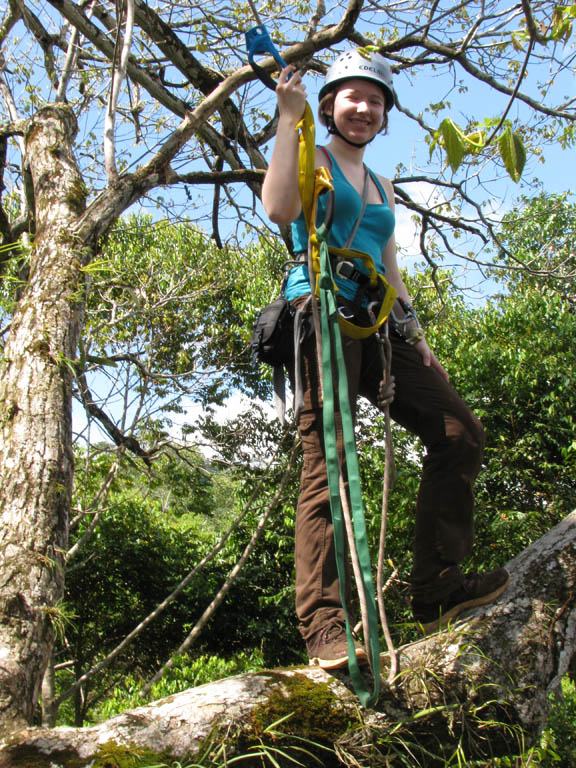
[(357, 318)]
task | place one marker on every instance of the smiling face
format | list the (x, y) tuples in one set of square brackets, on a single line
[(358, 108)]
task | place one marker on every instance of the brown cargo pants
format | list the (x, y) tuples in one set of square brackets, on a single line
[(427, 406)]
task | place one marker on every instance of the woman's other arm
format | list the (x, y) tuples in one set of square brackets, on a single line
[(394, 277)]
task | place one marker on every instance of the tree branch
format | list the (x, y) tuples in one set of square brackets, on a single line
[(119, 64), (122, 440)]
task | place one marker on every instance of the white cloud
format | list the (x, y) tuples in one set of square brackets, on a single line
[(236, 405), (407, 230), (233, 407)]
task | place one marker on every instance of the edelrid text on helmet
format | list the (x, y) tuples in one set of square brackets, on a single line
[(352, 65)]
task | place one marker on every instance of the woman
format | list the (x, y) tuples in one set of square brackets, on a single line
[(353, 104)]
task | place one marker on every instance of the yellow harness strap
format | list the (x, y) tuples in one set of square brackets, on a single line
[(388, 293), (306, 167)]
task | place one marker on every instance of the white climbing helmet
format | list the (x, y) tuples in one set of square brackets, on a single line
[(364, 65)]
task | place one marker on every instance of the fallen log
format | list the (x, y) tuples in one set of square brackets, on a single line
[(481, 687)]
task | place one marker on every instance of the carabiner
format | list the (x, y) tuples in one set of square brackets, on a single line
[(259, 41), (323, 229)]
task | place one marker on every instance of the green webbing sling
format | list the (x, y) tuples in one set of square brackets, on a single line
[(332, 351)]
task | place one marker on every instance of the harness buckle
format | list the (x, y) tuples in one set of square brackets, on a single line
[(349, 271)]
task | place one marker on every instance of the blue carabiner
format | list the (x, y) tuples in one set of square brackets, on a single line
[(258, 41)]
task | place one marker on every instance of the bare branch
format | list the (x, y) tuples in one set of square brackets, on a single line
[(513, 95), (123, 44), (69, 65), (128, 442), (45, 40), (535, 34), (97, 506)]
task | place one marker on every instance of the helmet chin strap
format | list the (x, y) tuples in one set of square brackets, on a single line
[(333, 129)]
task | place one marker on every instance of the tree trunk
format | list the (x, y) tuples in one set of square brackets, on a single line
[(35, 419), (480, 688)]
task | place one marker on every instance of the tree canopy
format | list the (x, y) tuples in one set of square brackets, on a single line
[(108, 106)]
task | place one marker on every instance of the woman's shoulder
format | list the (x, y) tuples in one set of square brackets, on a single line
[(387, 186)]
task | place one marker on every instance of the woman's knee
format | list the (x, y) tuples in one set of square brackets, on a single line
[(468, 430), (467, 437)]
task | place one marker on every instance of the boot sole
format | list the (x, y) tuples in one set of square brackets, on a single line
[(342, 661), (434, 626)]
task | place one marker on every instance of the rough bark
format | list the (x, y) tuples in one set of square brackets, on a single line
[(35, 419), (479, 686)]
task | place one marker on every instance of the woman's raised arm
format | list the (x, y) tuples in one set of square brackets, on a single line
[(280, 193)]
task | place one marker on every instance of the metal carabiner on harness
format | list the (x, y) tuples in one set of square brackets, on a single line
[(407, 326)]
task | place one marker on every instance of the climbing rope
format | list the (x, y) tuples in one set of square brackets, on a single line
[(385, 397)]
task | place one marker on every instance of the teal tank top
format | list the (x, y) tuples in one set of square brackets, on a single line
[(375, 230)]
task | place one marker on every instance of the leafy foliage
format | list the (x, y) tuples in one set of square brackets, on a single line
[(166, 299), (541, 234), (457, 145)]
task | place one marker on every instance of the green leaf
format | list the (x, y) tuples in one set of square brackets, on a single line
[(454, 142), (475, 141), (512, 152), (518, 40), (561, 23), (366, 51)]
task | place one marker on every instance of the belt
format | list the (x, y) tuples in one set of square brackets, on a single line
[(344, 269)]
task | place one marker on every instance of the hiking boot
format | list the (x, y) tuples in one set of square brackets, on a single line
[(476, 589), (328, 648)]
